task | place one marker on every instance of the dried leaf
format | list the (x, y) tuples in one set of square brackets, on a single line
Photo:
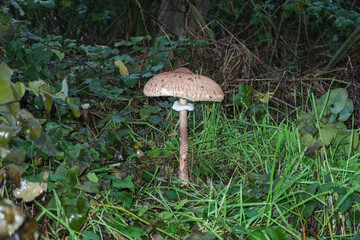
[(122, 68), (28, 191)]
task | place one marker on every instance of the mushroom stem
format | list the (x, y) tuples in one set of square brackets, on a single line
[(184, 144)]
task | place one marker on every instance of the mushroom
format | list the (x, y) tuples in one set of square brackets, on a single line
[(186, 85)]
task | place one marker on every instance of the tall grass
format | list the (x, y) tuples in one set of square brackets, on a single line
[(249, 180)]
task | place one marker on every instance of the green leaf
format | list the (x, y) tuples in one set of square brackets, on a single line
[(31, 124), (87, 235), (347, 111), (92, 177), (124, 197), (6, 94), (357, 236), (7, 133), (76, 211), (326, 187), (74, 108), (17, 6), (308, 140), (64, 92), (130, 80), (276, 234), (172, 195), (258, 235), (41, 88), (48, 4), (132, 231), (337, 100), (145, 114), (90, 187), (312, 188), (62, 173), (328, 133), (5, 33), (127, 183), (239, 229), (59, 54), (18, 90), (345, 205)]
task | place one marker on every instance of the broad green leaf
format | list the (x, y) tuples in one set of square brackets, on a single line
[(124, 197), (64, 92), (90, 187), (310, 207), (122, 68), (62, 173), (87, 235), (276, 234), (13, 155), (31, 124), (328, 133), (337, 100), (308, 140), (326, 187), (312, 188), (76, 211), (46, 97), (258, 235), (172, 195), (145, 114), (18, 90), (7, 133), (59, 54), (17, 6), (35, 86), (347, 111), (6, 93), (92, 177), (127, 183), (48, 4), (5, 33), (74, 108), (345, 205), (41, 88), (130, 80)]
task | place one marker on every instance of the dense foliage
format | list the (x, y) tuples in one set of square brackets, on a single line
[(84, 154)]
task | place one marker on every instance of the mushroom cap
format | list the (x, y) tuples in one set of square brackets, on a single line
[(183, 83)]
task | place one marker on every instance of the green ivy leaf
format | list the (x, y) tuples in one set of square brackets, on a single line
[(145, 114), (130, 80), (90, 187), (76, 211)]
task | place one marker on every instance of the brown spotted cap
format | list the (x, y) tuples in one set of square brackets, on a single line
[(183, 83)]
